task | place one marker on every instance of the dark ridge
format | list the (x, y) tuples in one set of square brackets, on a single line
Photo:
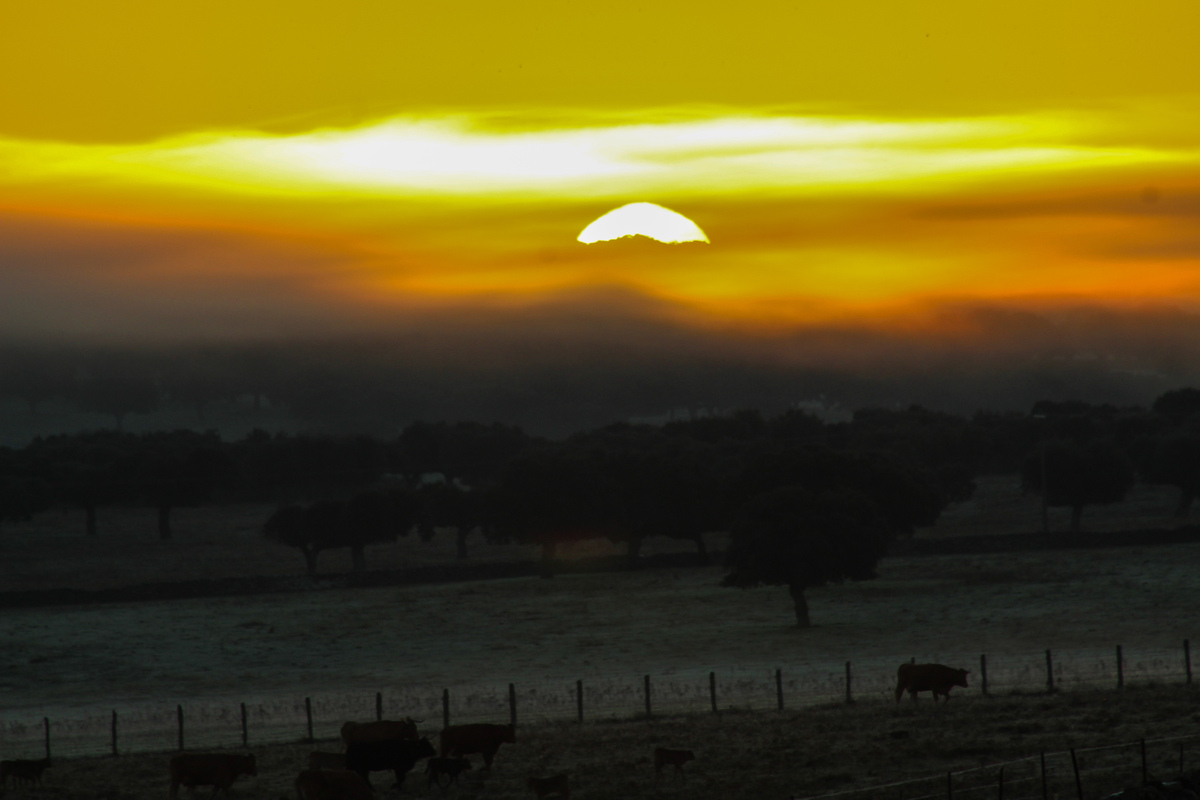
[(1014, 542)]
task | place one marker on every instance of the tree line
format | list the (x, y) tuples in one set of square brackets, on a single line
[(805, 502)]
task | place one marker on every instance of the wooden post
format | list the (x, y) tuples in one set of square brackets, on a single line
[(379, 706), (308, 714), (445, 708), (779, 688), (245, 728), (949, 786), (579, 698), (983, 672), (179, 717), (1078, 782), (647, 681), (712, 690), (1180, 759), (1187, 660), (1049, 673), (114, 733), (1000, 783), (512, 705), (849, 696), (1120, 669), (1045, 786), (1145, 772)]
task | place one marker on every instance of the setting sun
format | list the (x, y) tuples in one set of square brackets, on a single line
[(643, 219)]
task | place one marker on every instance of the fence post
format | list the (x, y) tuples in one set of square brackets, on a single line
[(1000, 783), (46, 723), (179, 717), (849, 696), (579, 698), (1145, 773), (1078, 782), (245, 728), (1049, 673), (445, 708), (1187, 660), (114, 733), (1045, 786), (308, 714), (983, 672), (712, 690), (949, 786), (647, 695), (512, 705), (379, 706), (779, 687), (1120, 669)]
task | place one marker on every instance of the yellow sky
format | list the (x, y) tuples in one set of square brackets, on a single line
[(849, 161)]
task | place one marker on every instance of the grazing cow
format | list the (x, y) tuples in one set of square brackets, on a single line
[(451, 767), (218, 770), (398, 755), (332, 784), (319, 760), (936, 678), (483, 738), (664, 757), (379, 731), (24, 770), (556, 784)]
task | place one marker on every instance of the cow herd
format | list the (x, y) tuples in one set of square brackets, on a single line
[(395, 746)]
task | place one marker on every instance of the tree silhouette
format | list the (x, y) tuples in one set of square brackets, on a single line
[(89, 470), (1077, 475), (1174, 460), (799, 538), (182, 468)]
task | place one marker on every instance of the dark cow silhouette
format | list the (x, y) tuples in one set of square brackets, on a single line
[(483, 738), (450, 767), (664, 757), (24, 770), (936, 678), (332, 784), (218, 770), (398, 755), (379, 731), (556, 784)]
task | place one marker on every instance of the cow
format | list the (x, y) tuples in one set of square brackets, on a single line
[(332, 784), (218, 770), (379, 731), (483, 738), (319, 760), (555, 784), (24, 770), (664, 757), (936, 678), (451, 767), (398, 755)]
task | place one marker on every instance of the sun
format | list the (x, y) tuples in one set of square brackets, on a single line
[(643, 219)]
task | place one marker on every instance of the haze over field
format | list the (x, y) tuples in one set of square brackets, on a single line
[(957, 205)]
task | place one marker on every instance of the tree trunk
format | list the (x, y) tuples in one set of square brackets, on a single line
[(310, 559), (90, 525), (359, 557), (460, 542), (800, 603), (549, 548), (1076, 518), (701, 550), (164, 522), (634, 551)]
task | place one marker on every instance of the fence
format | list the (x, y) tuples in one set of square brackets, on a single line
[(230, 722), (1078, 773)]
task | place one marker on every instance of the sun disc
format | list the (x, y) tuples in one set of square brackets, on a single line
[(643, 219)]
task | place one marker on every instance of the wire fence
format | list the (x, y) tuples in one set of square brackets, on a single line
[(267, 719)]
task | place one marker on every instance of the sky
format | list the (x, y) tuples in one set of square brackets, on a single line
[(936, 174)]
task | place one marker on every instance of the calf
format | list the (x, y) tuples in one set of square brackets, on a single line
[(664, 757), (24, 770), (556, 784), (218, 770), (332, 784), (451, 767), (482, 738), (319, 760), (936, 678), (398, 755)]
